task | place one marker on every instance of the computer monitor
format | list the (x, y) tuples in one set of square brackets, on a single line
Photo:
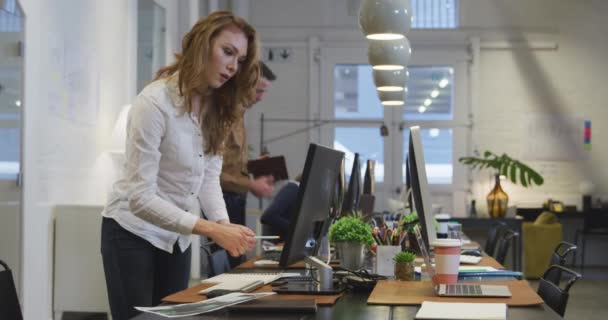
[(420, 187), (369, 179), (318, 202), (351, 198)]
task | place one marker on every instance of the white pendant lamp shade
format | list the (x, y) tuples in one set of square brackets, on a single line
[(392, 98), (389, 54), (385, 19), (390, 80)]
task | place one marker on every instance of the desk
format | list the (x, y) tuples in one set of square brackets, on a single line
[(353, 305)]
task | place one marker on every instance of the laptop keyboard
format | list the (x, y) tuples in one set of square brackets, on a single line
[(272, 255), (463, 289)]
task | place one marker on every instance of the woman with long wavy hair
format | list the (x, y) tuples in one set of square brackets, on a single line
[(175, 133)]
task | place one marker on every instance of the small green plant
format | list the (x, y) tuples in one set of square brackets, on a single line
[(409, 221), (505, 165), (404, 257), (351, 229)]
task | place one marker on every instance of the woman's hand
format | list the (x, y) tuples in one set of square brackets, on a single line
[(236, 239), (262, 187)]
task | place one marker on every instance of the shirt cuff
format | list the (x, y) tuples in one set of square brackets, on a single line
[(186, 223)]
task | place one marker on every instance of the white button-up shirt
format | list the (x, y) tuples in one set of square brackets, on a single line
[(167, 178)]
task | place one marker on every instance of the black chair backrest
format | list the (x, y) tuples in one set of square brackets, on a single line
[(558, 257), (561, 253), (493, 234), (553, 295), (9, 302), (504, 242)]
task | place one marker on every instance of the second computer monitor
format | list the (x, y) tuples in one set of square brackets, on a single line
[(353, 193), (319, 200), (420, 187)]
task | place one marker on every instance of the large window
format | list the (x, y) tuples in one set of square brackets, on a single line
[(436, 102)]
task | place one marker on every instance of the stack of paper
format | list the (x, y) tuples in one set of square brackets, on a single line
[(462, 311)]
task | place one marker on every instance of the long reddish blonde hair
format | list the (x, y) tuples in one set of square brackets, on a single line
[(191, 64)]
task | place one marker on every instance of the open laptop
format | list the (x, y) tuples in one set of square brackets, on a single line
[(458, 290)]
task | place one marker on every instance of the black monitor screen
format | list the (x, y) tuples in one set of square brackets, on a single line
[(420, 188), (351, 198), (319, 200), (369, 180)]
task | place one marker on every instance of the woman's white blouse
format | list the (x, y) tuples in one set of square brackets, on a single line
[(166, 178)]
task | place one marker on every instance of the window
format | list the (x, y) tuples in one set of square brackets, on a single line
[(434, 14)]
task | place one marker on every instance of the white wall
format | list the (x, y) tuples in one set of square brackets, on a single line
[(78, 59)]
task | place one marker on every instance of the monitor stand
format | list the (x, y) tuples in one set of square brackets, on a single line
[(324, 285)]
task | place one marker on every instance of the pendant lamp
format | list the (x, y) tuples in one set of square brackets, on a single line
[(389, 54), (390, 80), (385, 19)]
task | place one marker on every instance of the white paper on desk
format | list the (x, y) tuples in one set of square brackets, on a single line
[(209, 305), (462, 311)]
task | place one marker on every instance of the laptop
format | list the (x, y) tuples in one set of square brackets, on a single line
[(458, 290)]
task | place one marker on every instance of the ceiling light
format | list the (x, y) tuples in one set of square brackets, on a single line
[(434, 93), (385, 20), (392, 103), (421, 109), (390, 78), (392, 98), (434, 132), (389, 55), (390, 88), (18, 103), (443, 83), (427, 102)]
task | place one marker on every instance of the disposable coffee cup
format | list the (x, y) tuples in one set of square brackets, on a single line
[(442, 221), (447, 260)]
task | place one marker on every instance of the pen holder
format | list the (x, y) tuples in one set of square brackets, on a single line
[(385, 265)]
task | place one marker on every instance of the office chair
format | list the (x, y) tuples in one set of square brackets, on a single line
[(493, 234), (9, 302), (505, 238), (554, 296), (558, 257)]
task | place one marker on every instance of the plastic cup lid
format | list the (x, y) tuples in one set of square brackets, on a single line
[(447, 243)]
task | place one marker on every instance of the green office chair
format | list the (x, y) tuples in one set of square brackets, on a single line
[(9, 302)]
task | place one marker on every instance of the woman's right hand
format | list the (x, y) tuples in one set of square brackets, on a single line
[(236, 239)]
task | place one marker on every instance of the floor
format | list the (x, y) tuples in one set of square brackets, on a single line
[(588, 296)]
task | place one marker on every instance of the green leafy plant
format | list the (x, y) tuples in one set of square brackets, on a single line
[(408, 221), (505, 165), (404, 257), (351, 229)]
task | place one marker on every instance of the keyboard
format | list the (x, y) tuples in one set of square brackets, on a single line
[(463, 289), (469, 259), (272, 255)]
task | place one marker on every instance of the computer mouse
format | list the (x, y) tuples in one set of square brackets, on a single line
[(474, 252)]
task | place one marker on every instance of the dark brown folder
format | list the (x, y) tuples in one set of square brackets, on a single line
[(274, 166), (299, 305)]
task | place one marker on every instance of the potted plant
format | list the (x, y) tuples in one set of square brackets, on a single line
[(351, 234), (404, 265), (407, 223), (508, 167)]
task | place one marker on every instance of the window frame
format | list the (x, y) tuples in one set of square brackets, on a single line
[(458, 58)]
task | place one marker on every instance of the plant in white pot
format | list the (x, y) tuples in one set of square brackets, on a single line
[(351, 234)]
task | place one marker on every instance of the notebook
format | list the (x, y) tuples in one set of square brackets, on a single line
[(462, 310), (244, 277), (458, 290)]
